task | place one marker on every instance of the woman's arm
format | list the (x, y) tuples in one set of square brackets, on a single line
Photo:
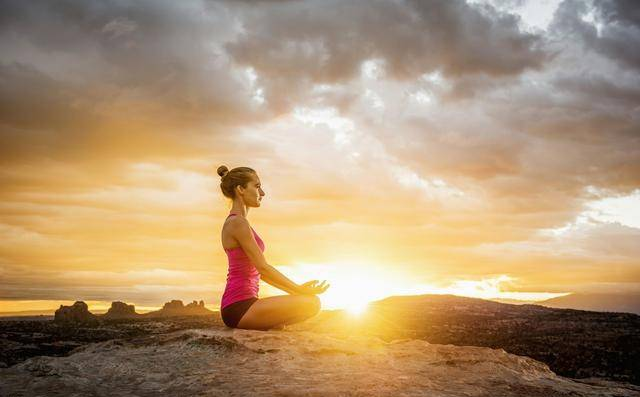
[(240, 229), (277, 280)]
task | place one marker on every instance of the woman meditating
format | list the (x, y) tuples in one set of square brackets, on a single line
[(240, 306)]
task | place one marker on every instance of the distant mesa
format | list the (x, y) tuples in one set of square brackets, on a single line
[(79, 312), (619, 303), (177, 308), (119, 310)]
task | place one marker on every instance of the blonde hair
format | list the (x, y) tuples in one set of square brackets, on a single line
[(230, 179)]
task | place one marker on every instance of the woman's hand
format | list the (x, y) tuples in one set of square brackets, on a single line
[(312, 287)]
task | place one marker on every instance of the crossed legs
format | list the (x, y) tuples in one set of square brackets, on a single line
[(277, 311)]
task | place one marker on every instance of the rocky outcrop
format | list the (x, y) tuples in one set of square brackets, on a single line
[(197, 307), (177, 308), (120, 310), (576, 344), (78, 313), (221, 361)]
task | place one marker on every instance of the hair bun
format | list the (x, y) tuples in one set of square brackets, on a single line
[(223, 170)]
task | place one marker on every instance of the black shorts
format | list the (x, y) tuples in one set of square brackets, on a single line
[(232, 313)]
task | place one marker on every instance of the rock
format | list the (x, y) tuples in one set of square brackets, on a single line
[(119, 310), (173, 305), (78, 313), (220, 361), (177, 308), (197, 308)]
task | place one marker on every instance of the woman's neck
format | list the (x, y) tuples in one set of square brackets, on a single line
[(240, 209)]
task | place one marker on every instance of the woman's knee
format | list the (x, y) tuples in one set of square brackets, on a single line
[(313, 304)]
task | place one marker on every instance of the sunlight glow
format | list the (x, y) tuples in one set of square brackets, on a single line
[(48, 307), (354, 285), (624, 210), (492, 288), (357, 308)]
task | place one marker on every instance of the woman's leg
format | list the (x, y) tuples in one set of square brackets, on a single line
[(274, 311)]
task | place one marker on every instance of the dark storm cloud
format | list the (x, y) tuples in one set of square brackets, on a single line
[(89, 76), (79, 74), (29, 99), (573, 124), (74, 71), (35, 110), (608, 91), (626, 12), (621, 20), (617, 27), (154, 46), (291, 45)]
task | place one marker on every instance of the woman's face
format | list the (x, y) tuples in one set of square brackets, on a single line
[(253, 193)]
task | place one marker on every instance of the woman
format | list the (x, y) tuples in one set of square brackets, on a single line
[(240, 306)]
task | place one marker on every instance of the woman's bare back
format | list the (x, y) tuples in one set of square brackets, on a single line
[(228, 240)]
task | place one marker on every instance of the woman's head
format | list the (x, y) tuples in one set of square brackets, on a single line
[(241, 183)]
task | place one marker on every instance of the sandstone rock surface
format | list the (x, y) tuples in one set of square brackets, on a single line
[(232, 362)]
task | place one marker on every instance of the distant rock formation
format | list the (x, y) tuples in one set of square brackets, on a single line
[(619, 303), (78, 313), (119, 310), (177, 308)]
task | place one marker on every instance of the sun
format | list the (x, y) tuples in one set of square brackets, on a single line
[(352, 285), (356, 308)]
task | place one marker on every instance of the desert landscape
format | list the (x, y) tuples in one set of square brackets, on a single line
[(447, 346)]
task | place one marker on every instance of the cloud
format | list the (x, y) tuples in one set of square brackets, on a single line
[(294, 45), (119, 27), (607, 27), (150, 287), (107, 78)]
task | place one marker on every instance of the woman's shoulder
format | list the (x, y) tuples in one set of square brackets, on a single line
[(235, 221)]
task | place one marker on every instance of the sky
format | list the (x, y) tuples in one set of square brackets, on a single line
[(488, 148)]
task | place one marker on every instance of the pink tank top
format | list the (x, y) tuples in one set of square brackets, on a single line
[(243, 278)]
